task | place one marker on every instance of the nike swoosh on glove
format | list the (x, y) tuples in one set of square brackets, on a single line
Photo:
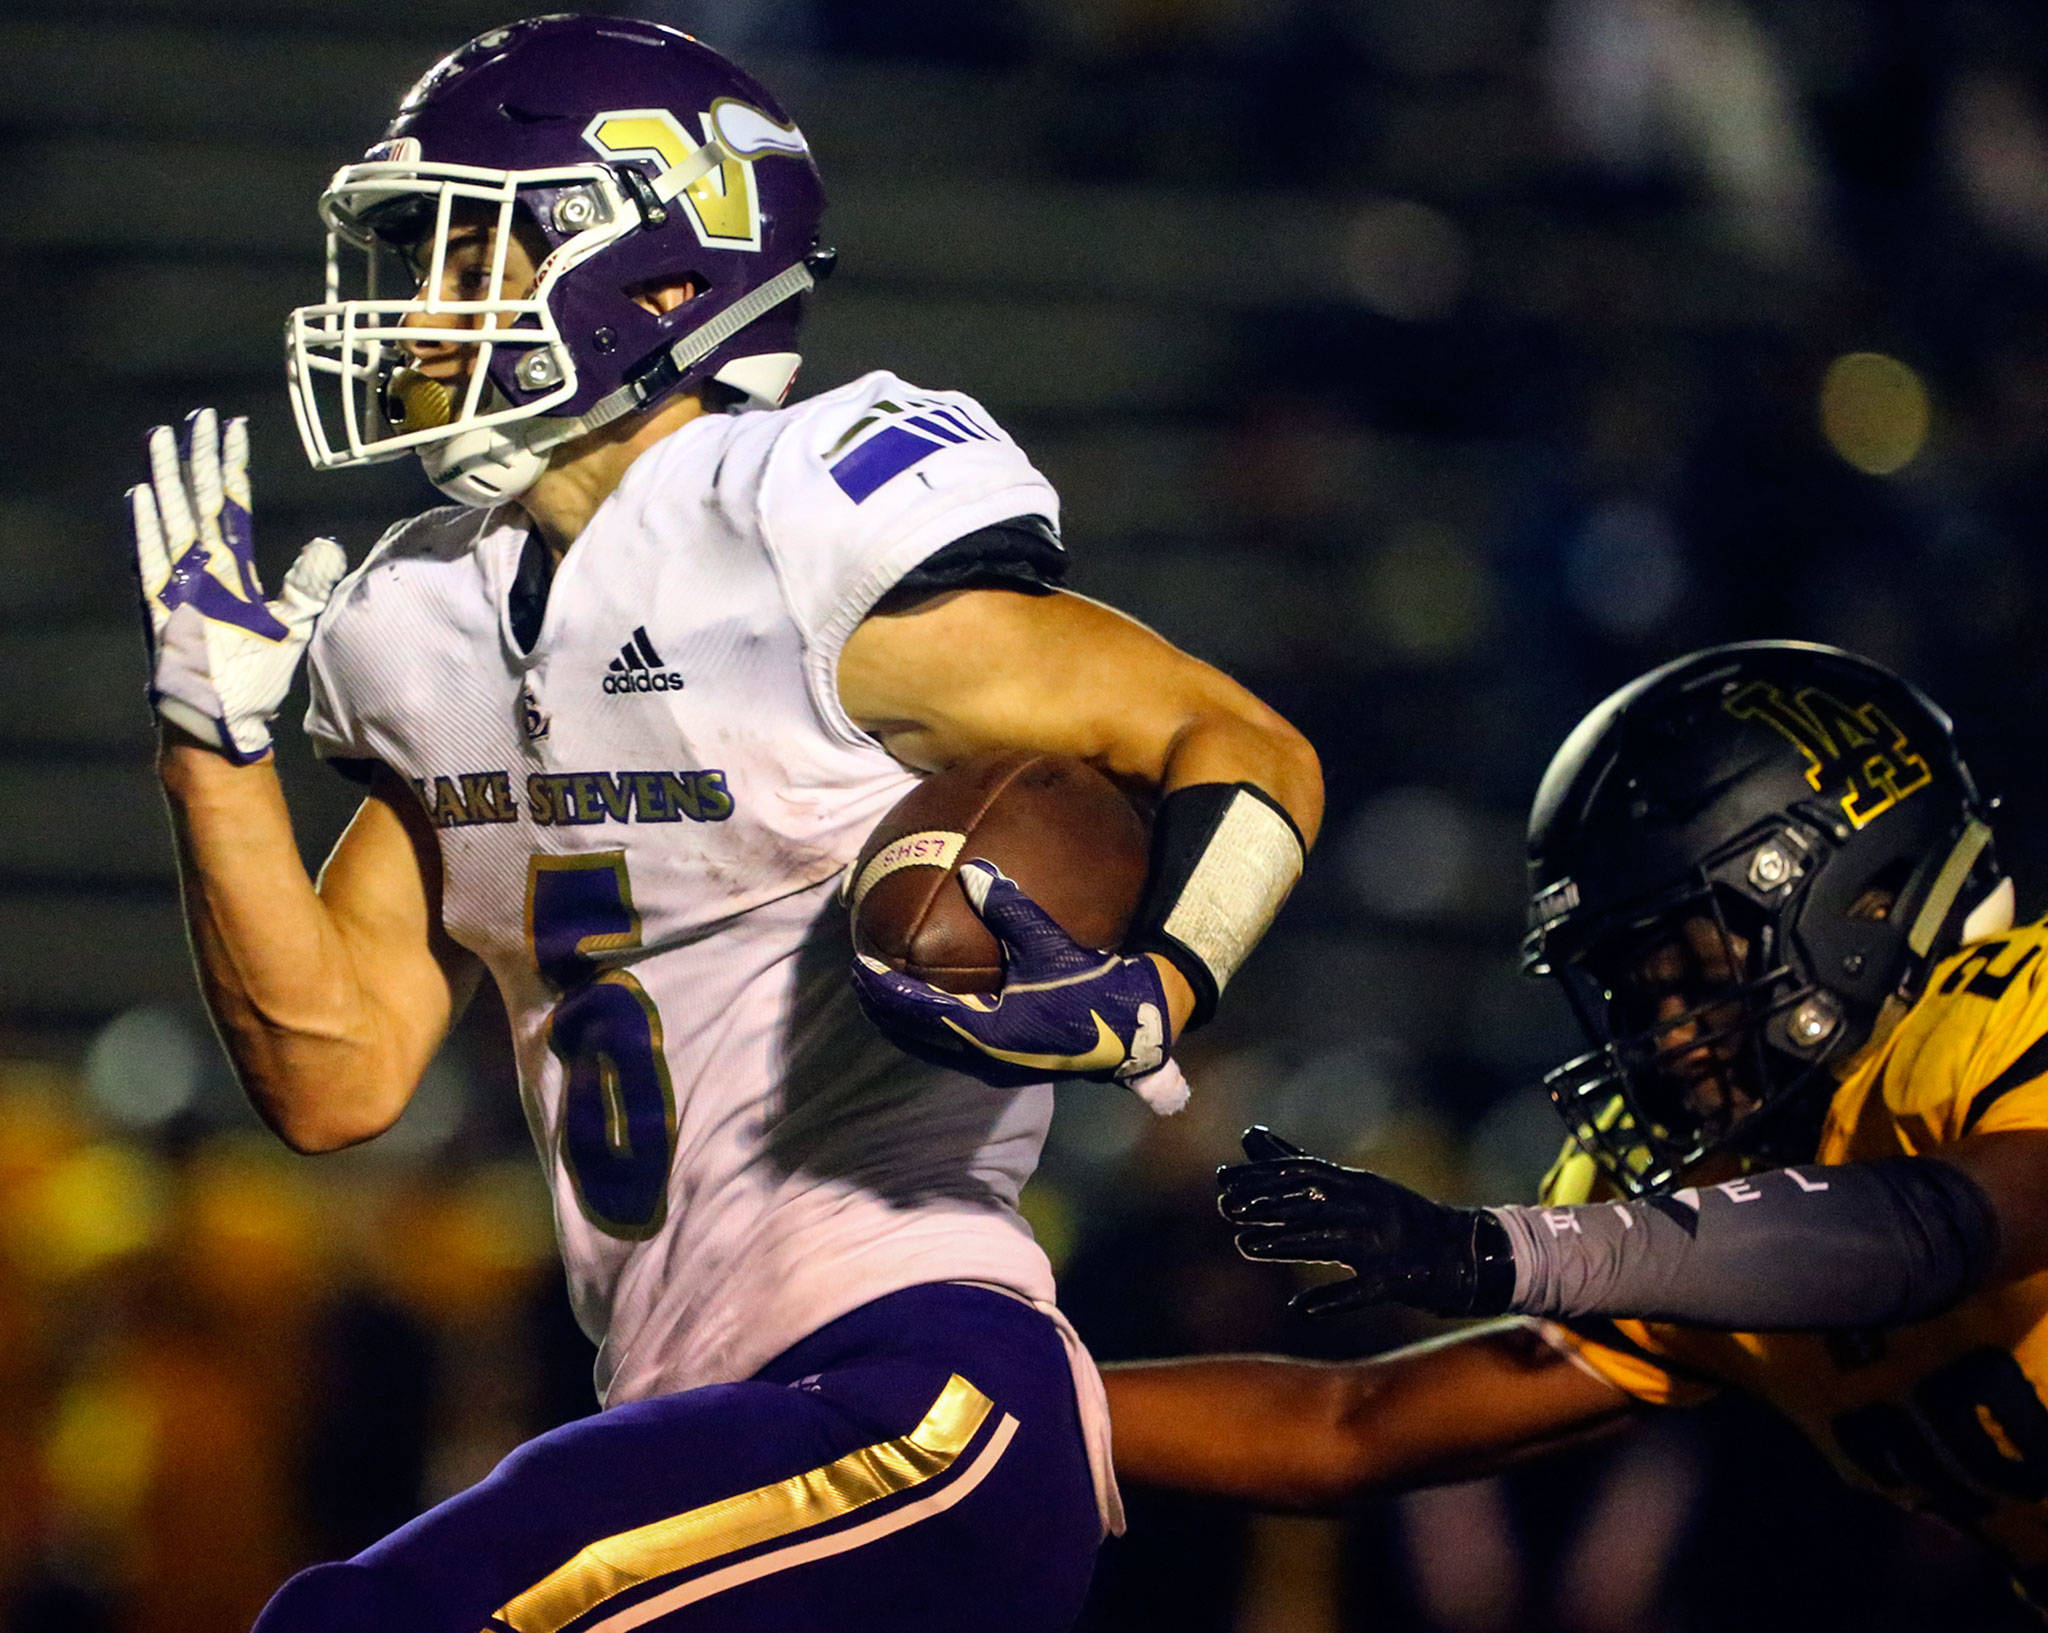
[(221, 658), (1065, 1010), (1403, 1248)]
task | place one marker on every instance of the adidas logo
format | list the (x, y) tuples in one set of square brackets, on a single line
[(639, 668)]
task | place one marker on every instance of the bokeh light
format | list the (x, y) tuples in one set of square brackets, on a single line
[(1425, 595), (1624, 571), (145, 1066), (1342, 1099), (102, 1448), (1408, 852), (95, 1205), (1406, 260), (1875, 412)]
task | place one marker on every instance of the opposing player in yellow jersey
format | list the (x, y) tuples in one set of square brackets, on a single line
[(1809, 1148)]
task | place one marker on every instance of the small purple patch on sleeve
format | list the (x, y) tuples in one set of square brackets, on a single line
[(889, 452)]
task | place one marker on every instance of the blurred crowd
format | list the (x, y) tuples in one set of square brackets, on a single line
[(1661, 322), (218, 1362)]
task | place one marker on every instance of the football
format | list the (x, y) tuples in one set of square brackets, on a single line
[(1067, 834)]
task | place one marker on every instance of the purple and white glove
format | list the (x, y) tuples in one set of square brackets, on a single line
[(221, 657), (1065, 1010)]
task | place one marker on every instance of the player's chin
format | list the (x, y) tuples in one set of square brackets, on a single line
[(1713, 1100)]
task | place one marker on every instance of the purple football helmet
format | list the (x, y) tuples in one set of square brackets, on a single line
[(627, 155)]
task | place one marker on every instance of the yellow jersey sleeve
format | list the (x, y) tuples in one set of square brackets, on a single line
[(1623, 1353), (1972, 1055)]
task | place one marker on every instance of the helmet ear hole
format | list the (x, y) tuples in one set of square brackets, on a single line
[(1879, 897), (667, 293)]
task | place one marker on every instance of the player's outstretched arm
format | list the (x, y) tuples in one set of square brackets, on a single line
[(1306, 1435), (330, 1000), (1241, 790), (1809, 1248)]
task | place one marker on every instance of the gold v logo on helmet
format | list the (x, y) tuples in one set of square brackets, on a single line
[(723, 206), (1857, 750)]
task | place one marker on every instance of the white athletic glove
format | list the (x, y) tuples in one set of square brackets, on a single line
[(221, 657)]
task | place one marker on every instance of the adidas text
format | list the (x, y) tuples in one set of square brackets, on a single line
[(644, 680)]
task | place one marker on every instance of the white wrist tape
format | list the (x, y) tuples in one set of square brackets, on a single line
[(1224, 857)]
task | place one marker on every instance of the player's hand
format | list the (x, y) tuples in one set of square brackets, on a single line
[(1064, 1011), (1403, 1248), (220, 656)]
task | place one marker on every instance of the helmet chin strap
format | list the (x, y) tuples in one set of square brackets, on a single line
[(1948, 885), (492, 464), (1991, 916)]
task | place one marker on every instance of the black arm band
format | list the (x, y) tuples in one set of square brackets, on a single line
[(1224, 856), (1865, 1244), (1023, 553)]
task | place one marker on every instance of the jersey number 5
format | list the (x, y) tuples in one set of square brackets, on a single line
[(618, 1125)]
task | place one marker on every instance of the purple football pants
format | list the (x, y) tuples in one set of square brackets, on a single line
[(917, 1466)]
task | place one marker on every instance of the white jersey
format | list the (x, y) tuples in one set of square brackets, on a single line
[(642, 824)]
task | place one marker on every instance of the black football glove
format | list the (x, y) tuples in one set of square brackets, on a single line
[(1404, 1248)]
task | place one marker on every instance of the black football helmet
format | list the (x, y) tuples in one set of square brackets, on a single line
[(1735, 862)]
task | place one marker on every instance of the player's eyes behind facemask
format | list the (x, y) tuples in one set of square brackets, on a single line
[(1686, 999), (406, 240), (1674, 970)]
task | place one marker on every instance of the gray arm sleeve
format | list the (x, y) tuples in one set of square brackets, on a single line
[(1867, 1244)]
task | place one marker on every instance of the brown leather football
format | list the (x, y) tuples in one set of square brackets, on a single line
[(1056, 825)]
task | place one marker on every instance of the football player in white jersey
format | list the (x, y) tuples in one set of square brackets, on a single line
[(625, 713)]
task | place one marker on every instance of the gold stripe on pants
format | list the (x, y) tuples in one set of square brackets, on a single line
[(614, 1564)]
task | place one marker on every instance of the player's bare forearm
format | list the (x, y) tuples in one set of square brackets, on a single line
[(330, 999), (987, 669), (1306, 1435), (2011, 1167)]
